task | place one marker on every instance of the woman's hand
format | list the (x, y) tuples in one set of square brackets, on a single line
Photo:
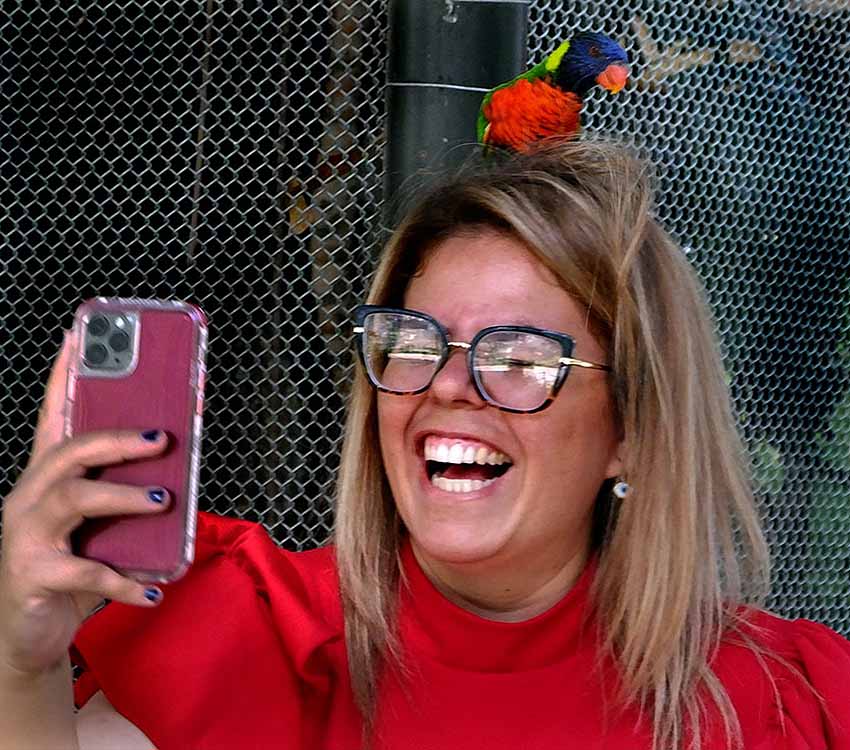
[(45, 591)]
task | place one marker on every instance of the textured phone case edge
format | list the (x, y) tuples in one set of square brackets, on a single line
[(194, 431)]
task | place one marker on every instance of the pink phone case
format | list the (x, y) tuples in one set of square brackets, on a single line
[(162, 388)]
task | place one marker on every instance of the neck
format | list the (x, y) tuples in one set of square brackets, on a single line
[(569, 81), (506, 591)]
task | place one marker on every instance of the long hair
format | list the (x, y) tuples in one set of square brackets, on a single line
[(685, 550)]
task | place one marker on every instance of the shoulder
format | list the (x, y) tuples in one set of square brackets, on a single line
[(788, 679), (241, 588), (246, 611), (283, 578), (249, 546)]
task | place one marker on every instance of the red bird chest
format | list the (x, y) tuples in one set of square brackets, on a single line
[(527, 111)]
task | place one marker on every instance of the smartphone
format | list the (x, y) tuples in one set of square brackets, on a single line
[(139, 364)]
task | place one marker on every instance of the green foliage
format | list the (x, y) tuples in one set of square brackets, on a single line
[(826, 571), (767, 467), (829, 508)]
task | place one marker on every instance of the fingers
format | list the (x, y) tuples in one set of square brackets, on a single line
[(49, 430), (73, 500), (89, 605), (103, 448), (75, 575)]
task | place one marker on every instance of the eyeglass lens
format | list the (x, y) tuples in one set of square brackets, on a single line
[(514, 369)]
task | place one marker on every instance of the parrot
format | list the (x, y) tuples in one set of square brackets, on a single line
[(546, 100)]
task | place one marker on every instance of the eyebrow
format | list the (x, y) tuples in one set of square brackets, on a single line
[(520, 321), (526, 322)]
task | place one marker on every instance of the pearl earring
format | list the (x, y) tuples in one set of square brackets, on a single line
[(621, 489)]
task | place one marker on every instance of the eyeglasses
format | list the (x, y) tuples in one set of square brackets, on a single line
[(514, 368)]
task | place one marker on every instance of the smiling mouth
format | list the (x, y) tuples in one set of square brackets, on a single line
[(460, 466)]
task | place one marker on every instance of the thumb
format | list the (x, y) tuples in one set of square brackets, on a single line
[(50, 428)]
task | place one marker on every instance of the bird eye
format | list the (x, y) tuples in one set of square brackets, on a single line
[(595, 51)]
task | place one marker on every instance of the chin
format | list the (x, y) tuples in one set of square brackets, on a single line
[(456, 544)]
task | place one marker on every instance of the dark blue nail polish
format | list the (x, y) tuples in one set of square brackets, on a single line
[(153, 595), (156, 495), (150, 435)]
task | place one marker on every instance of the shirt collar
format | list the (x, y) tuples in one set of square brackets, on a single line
[(433, 626)]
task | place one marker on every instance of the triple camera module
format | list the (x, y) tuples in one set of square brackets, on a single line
[(109, 341)]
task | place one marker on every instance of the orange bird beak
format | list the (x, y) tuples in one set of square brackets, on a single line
[(613, 78)]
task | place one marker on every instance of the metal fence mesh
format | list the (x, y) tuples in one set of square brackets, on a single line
[(736, 104), (231, 154), (209, 152)]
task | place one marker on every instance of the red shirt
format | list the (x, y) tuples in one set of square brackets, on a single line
[(247, 650)]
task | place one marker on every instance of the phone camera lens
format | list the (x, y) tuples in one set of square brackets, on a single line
[(119, 341), (96, 354), (98, 325)]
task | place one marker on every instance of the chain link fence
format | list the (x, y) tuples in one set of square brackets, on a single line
[(738, 105), (231, 154)]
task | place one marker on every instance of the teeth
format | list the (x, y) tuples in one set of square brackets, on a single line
[(447, 452), (459, 485)]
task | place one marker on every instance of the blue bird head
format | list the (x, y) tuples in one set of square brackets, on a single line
[(592, 59)]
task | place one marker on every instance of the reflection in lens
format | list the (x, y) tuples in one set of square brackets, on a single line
[(98, 325), (119, 341), (517, 369), (96, 354), (402, 351)]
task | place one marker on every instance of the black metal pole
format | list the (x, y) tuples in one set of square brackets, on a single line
[(443, 56)]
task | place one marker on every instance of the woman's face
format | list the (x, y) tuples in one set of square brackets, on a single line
[(559, 457)]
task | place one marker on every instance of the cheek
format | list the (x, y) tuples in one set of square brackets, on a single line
[(394, 414), (385, 425), (555, 426), (577, 441)]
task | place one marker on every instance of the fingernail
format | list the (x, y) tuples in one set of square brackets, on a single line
[(156, 495), (150, 435), (153, 595)]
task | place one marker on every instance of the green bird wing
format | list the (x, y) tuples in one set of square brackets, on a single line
[(541, 70)]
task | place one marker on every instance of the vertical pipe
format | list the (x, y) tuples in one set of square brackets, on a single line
[(443, 56)]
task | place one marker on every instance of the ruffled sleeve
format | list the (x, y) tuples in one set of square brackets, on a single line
[(802, 702), (817, 715), (229, 657)]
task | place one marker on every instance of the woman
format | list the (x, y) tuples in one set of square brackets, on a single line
[(536, 540)]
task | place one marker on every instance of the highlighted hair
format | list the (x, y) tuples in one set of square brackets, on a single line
[(680, 557)]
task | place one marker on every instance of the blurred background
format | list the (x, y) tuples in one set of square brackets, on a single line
[(234, 154)]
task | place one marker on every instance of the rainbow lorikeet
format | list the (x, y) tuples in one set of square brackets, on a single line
[(546, 100)]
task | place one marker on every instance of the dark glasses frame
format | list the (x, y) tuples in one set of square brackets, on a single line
[(566, 360)]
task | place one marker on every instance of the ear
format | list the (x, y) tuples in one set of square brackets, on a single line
[(615, 464)]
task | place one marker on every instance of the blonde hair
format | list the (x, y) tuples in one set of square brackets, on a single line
[(685, 550)]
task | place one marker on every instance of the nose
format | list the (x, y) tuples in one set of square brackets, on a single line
[(452, 384)]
